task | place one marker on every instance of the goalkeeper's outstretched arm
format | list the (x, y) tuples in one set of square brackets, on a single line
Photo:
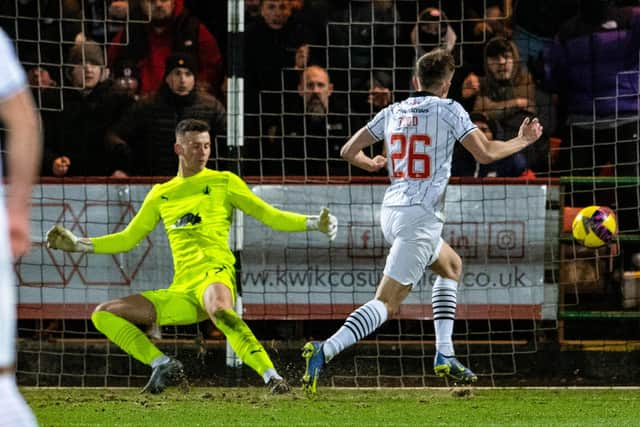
[(244, 199), (142, 224), (59, 237), (324, 223)]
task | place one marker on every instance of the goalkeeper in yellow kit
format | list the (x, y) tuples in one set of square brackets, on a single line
[(196, 209)]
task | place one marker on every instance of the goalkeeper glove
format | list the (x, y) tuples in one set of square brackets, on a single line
[(59, 237), (324, 223)]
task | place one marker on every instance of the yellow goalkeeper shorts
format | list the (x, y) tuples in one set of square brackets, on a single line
[(183, 302)]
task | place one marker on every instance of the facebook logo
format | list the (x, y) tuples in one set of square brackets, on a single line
[(365, 240)]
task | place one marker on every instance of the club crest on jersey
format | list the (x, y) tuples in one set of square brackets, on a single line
[(187, 219)]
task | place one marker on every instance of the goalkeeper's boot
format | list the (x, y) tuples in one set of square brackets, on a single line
[(170, 373), (450, 367), (313, 355), (278, 386)]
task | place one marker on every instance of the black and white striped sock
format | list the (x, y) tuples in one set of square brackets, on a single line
[(443, 303), (358, 325)]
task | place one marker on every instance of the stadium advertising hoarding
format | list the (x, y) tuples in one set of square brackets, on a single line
[(497, 229)]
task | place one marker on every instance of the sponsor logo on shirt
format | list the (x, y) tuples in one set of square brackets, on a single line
[(187, 219)]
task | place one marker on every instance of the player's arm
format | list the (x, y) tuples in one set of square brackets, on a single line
[(142, 224), (353, 152), (486, 151), (244, 199), (24, 149)]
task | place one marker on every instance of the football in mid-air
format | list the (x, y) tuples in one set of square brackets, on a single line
[(594, 226)]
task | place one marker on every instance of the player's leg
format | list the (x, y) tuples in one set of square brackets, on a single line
[(218, 302), (368, 317), (360, 323), (414, 235), (448, 267), (14, 411), (117, 320), (405, 265)]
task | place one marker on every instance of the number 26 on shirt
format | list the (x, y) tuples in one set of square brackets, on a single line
[(418, 163)]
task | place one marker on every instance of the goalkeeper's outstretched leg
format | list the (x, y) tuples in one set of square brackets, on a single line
[(117, 320), (218, 302)]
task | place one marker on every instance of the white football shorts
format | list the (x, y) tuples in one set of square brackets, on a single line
[(415, 235)]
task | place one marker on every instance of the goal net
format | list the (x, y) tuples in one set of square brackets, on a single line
[(507, 299), (527, 287)]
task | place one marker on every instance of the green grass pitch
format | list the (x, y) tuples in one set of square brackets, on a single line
[(336, 407)]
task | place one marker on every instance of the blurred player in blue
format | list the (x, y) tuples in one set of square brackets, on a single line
[(18, 116), (419, 134)]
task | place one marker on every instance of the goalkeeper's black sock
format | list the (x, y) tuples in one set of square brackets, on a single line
[(126, 335), (443, 303), (358, 325), (242, 340)]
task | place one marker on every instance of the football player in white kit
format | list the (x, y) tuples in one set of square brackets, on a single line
[(18, 116), (419, 133)]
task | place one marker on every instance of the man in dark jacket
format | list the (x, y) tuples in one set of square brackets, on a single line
[(146, 131), (74, 132)]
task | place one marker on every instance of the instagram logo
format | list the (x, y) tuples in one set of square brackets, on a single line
[(506, 239)]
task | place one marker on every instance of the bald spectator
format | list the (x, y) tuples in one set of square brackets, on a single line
[(315, 89), (170, 28), (308, 139)]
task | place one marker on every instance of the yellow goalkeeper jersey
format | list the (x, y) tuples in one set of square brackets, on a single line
[(196, 213)]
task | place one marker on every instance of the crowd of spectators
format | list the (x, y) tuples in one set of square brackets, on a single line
[(116, 77)]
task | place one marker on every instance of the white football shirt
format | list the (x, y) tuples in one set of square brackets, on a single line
[(12, 76), (419, 134)]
